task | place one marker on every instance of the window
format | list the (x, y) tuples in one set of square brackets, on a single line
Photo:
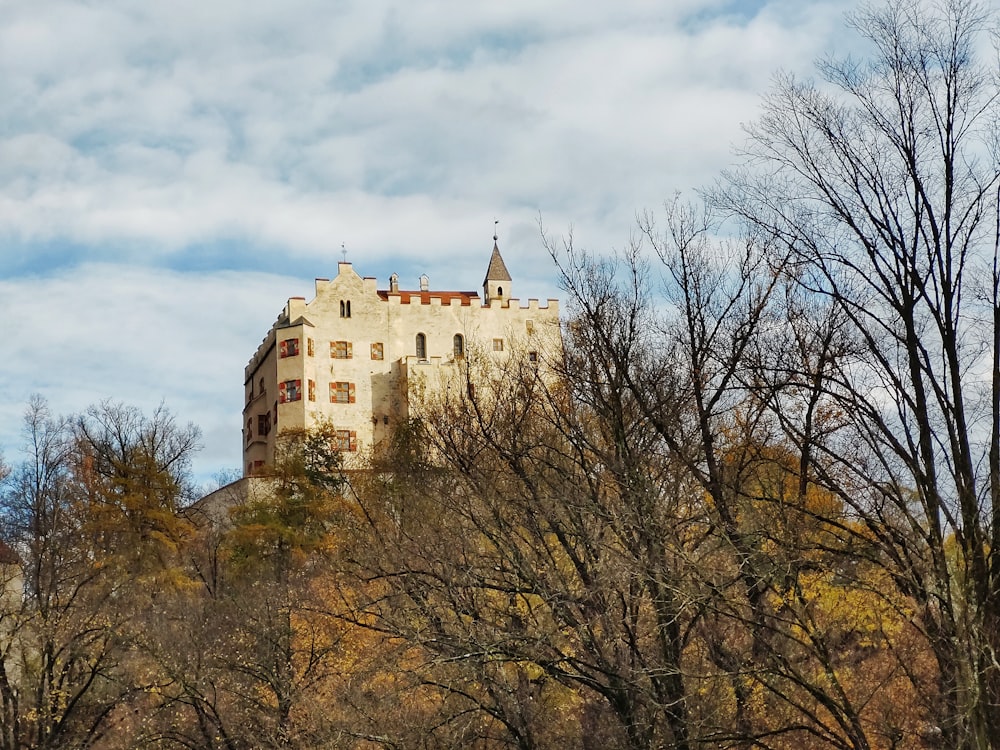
[(310, 348), (533, 357), (341, 350), (378, 351), (288, 348), (459, 345), (341, 392), (421, 346), (290, 390), (249, 430), (262, 390), (275, 413), (529, 325), (347, 440), (498, 345), (312, 390), (263, 424), (345, 308), (499, 291)]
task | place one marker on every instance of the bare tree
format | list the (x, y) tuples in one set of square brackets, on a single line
[(685, 352), (68, 671), (535, 541), (881, 185), (59, 649)]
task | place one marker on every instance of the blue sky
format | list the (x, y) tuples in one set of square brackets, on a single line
[(170, 173)]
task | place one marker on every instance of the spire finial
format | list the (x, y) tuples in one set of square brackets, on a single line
[(495, 223), (343, 250)]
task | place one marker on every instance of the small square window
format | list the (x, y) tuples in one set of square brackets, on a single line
[(378, 350), (290, 390), (346, 440), (342, 392), (498, 345), (533, 357), (341, 350), (288, 348)]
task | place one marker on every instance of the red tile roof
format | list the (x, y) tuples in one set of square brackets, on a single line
[(424, 298)]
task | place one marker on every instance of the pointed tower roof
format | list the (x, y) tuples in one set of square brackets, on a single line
[(497, 270)]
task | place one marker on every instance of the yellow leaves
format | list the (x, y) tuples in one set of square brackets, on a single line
[(513, 671), (869, 610), (173, 578)]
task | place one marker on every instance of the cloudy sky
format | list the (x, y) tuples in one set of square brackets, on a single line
[(172, 172)]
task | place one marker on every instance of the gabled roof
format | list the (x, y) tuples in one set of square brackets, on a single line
[(497, 270)]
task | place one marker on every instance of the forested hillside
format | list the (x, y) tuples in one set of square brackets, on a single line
[(754, 502)]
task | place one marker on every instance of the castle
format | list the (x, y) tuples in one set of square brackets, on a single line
[(355, 355)]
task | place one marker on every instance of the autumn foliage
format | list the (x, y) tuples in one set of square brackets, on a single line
[(752, 502)]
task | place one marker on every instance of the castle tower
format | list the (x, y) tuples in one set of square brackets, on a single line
[(496, 285)]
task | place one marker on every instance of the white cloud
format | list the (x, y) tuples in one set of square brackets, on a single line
[(265, 134), (181, 123), (140, 336)]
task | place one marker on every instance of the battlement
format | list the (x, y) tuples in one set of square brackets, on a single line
[(551, 305)]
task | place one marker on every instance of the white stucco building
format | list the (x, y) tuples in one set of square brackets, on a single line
[(355, 355)]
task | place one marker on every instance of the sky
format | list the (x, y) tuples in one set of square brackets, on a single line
[(172, 172)]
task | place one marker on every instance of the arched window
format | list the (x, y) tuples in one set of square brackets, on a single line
[(421, 346), (459, 343), (499, 291)]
